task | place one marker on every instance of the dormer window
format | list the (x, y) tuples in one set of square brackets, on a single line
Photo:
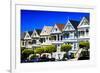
[(56, 29), (35, 34)]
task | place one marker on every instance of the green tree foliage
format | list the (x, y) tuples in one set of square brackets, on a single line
[(39, 50), (22, 48), (50, 49), (46, 49), (84, 44), (26, 52), (66, 47)]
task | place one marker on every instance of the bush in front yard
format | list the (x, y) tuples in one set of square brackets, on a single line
[(66, 47), (50, 49), (85, 55), (39, 50), (84, 44), (26, 52), (64, 57), (22, 48), (72, 55)]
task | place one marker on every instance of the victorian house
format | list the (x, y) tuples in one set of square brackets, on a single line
[(56, 39), (26, 42), (70, 34), (83, 29), (45, 35), (56, 35), (36, 38)]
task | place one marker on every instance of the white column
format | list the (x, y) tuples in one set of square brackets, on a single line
[(72, 46), (85, 32), (48, 38), (76, 46), (37, 41), (57, 48)]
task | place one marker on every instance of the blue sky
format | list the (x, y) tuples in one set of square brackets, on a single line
[(32, 19)]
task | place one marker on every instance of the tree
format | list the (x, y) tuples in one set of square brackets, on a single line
[(22, 48), (26, 52), (50, 49), (39, 50), (84, 44), (66, 47)]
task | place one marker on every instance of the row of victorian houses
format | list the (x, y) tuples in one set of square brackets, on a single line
[(70, 33)]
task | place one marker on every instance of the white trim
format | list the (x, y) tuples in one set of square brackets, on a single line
[(35, 35), (27, 34), (53, 32), (80, 24), (68, 22)]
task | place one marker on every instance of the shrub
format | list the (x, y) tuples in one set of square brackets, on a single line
[(22, 48), (50, 49), (39, 50), (84, 44), (66, 47), (64, 56), (72, 55), (26, 52), (84, 53)]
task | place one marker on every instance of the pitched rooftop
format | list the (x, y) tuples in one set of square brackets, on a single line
[(46, 30), (38, 31), (30, 32), (74, 23), (60, 26)]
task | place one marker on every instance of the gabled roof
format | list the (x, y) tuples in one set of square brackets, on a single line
[(38, 31), (87, 17), (30, 32), (46, 30), (60, 26), (74, 23), (80, 24), (27, 35)]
